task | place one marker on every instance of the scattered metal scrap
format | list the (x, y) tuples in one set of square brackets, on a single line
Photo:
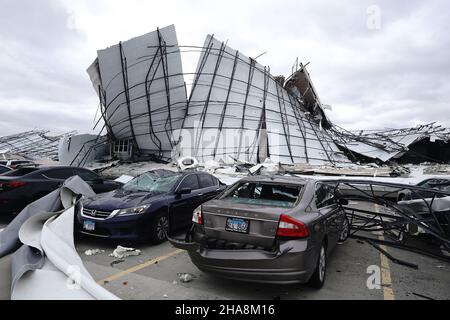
[(392, 258), (429, 216)]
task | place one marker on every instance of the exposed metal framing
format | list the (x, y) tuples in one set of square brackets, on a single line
[(224, 110), (251, 71), (123, 61), (206, 105)]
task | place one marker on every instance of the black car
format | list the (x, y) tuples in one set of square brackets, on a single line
[(20, 187), (15, 164), (147, 206)]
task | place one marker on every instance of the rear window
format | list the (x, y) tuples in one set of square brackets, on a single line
[(20, 172), (86, 175), (61, 173), (264, 194)]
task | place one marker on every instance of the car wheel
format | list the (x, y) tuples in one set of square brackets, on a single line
[(159, 228), (318, 278), (345, 231)]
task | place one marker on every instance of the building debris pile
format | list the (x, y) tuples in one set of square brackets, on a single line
[(411, 145), (34, 144)]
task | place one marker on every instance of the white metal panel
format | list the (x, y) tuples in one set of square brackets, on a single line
[(143, 90), (233, 101)]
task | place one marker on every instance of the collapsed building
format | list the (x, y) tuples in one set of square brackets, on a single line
[(424, 143), (236, 111), (33, 145)]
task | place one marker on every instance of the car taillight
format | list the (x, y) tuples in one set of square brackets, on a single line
[(291, 228), (197, 216), (12, 184)]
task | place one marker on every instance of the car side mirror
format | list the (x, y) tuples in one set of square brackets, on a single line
[(183, 191), (343, 202)]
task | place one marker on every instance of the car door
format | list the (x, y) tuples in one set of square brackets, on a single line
[(330, 211), (183, 205)]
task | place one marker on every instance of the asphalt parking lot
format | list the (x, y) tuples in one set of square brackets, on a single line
[(155, 275)]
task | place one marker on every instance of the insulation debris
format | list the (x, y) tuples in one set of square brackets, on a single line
[(185, 277), (123, 252), (93, 252)]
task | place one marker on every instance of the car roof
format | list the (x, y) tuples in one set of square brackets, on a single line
[(278, 179), (59, 167)]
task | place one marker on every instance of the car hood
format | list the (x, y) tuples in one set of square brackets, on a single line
[(120, 199)]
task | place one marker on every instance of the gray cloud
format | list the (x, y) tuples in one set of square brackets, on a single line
[(395, 76)]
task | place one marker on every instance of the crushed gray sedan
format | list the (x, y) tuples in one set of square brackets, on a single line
[(277, 229)]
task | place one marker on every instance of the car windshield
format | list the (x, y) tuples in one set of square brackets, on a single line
[(264, 194), (151, 182)]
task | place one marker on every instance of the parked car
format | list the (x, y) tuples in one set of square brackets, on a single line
[(4, 169), (440, 184), (149, 206), (20, 187), (14, 164), (268, 229)]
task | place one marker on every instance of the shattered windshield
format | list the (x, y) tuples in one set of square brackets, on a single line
[(264, 194), (149, 182)]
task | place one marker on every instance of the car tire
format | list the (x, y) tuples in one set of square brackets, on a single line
[(318, 278), (345, 232), (159, 224)]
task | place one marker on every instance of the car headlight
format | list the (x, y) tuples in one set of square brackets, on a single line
[(131, 211)]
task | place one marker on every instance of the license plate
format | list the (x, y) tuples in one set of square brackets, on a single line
[(89, 225), (237, 225)]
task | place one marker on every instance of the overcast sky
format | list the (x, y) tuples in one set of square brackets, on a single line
[(377, 63)]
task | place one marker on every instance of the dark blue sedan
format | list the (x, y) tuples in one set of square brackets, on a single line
[(148, 205)]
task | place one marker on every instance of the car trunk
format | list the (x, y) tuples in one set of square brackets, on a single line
[(262, 222)]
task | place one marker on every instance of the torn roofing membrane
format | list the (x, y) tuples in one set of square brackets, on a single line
[(237, 110), (142, 91)]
